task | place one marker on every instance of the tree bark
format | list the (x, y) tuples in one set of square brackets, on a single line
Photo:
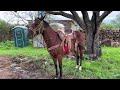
[(92, 43), (89, 41)]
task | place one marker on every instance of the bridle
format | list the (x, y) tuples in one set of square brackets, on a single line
[(39, 27)]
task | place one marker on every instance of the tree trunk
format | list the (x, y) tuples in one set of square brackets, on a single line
[(92, 43), (89, 40), (97, 47)]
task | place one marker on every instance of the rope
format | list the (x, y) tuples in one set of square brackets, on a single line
[(39, 41)]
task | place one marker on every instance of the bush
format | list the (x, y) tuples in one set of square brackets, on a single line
[(4, 30), (5, 26), (7, 44)]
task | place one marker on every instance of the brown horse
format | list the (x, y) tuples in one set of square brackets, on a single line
[(55, 44)]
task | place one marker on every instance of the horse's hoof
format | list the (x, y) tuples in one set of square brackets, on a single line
[(56, 78), (77, 67), (80, 68), (60, 77)]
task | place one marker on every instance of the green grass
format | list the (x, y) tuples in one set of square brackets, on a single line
[(107, 68), (9, 49)]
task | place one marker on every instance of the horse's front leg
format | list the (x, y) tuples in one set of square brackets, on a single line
[(60, 65), (56, 69)]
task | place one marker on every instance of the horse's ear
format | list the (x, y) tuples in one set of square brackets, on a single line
[(42, 18)]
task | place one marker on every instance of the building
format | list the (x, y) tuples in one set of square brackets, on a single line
[(38, 41)]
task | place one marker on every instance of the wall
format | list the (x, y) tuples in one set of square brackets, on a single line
[(110, 37), (110, 34)]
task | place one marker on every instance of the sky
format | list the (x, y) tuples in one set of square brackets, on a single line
[(8, 17)]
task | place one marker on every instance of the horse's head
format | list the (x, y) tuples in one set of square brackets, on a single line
[(37, 25)]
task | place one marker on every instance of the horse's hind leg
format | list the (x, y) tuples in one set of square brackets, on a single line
[(77, 59), (55, 63), (81, 58)]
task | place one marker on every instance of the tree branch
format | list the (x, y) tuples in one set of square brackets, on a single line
[(94, 19), (20, 17), (101, 18), (85, 16), (97, 15), (86, 20), (30, 14), (78, 19), (61, 13)]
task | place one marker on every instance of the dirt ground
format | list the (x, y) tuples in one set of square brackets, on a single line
[(18, 68), (25, 68)]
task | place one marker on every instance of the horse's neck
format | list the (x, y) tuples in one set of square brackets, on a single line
[(51, 37)]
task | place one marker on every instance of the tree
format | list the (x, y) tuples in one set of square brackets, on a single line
[(23, 16), (90, 26)]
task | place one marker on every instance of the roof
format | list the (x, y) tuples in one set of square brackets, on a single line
[(57, 24), (58, 17), (20, 27)]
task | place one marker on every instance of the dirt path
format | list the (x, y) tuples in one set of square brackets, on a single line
[(25, 68), (5, 72), (14, 69)]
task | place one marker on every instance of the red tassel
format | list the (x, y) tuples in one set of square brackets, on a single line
[(65, 49)]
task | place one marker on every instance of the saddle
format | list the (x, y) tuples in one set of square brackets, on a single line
[(66, 35), (67, 38)]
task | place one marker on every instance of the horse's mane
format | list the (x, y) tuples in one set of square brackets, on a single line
[(47, 24), (41, 19)]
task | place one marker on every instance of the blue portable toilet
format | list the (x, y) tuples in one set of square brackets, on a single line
[(20, 34)]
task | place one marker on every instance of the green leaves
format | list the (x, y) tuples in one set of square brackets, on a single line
[(4, 26), (109, 26)]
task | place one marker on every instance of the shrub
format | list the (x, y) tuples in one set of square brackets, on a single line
[(5, 29), (7, 44)]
